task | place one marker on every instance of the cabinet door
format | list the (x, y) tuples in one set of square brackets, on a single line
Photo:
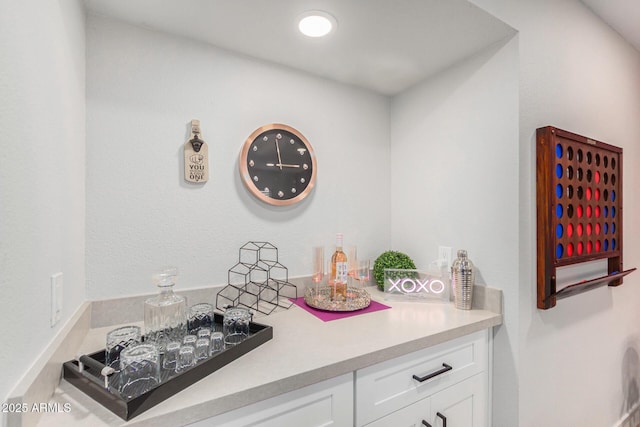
[(329, 403), (461, 405)]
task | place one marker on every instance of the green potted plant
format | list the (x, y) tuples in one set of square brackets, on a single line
[(391, 259)]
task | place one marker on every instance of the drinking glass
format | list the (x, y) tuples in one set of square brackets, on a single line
[(139, 369), (217, 342), (202, 349), (235, 325), (204, 333), (317, 272), (171, 355), (119, 339), (190, 340), (186, 358), (363, 272), (200, 316), (352, 261)]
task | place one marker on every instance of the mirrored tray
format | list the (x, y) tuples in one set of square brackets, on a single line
[(357, 299)]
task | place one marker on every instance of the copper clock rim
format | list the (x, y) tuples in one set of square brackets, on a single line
[(244, 171)]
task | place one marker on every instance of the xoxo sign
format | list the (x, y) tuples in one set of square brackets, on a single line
[(415, 285), (434, 286)]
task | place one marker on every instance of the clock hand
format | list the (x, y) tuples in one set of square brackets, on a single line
[(281, 165), (278, 149)]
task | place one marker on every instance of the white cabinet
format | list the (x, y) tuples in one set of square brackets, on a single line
[(462, 404), (450, 379), (443, 385), (328, 403)]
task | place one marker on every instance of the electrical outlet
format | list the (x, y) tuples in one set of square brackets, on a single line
[(56, 298), (445, 256)]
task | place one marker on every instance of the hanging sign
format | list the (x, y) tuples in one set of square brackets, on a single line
[(196, 156), (416, 285)]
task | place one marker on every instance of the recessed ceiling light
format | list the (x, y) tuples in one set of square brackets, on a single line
[(316, 23)]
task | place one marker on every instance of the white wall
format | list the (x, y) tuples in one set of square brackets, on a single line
[(42, 157), (143, 88), (454, 180), (578, 362), (571, 365)]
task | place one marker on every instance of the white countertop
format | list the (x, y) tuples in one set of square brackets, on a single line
[(304, 350)]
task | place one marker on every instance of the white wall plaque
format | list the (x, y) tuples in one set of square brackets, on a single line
[(196, 156)]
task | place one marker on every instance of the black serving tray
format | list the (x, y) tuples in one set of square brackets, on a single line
[(91, 382)]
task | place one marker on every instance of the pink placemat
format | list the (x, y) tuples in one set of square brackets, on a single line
[(327, 316)]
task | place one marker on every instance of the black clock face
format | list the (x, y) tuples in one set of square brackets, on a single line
[(278, 165)]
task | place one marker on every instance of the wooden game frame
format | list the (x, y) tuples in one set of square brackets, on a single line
[(579, 210)]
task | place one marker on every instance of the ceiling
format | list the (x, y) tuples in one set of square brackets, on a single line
[(622, 15), (381, 45)]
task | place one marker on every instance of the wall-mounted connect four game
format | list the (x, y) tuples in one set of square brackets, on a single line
[(258, 281), (579, 210)]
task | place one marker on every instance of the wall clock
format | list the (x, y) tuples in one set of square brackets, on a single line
[(278, 165)]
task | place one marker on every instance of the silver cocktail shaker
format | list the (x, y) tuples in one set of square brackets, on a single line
[(463, 276)]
